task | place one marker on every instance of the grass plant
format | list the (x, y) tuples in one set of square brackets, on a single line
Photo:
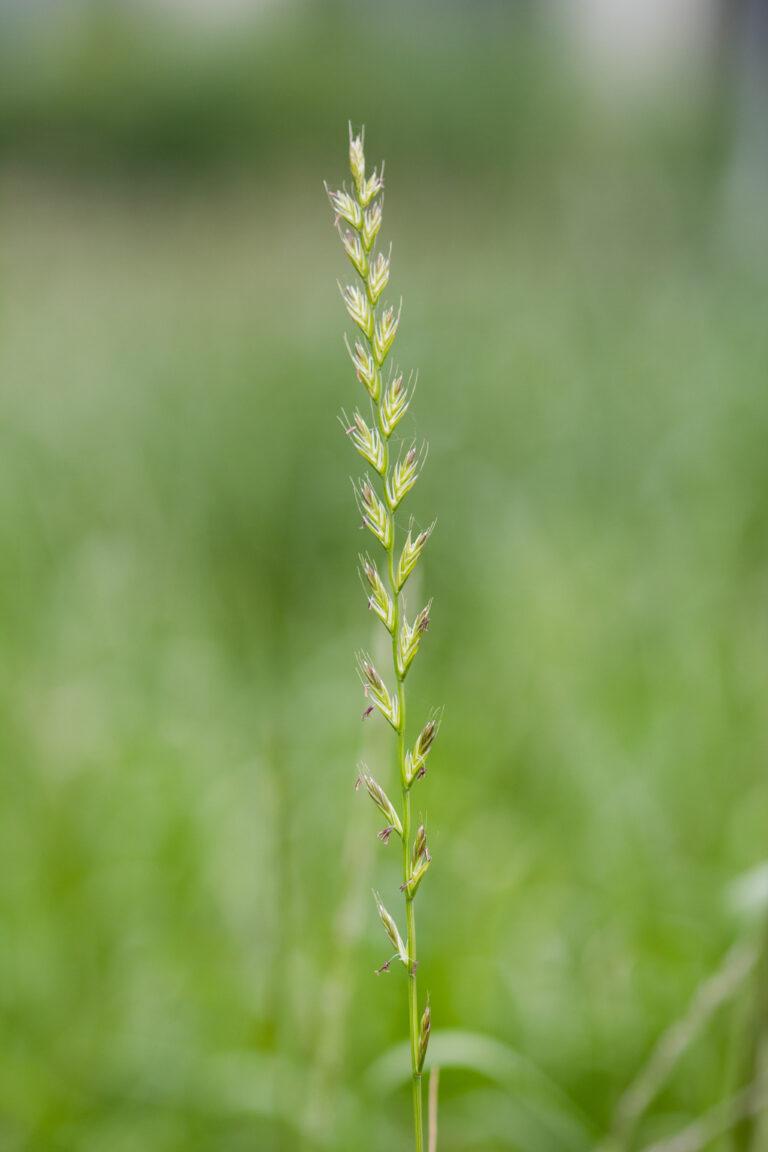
[(395, 463)]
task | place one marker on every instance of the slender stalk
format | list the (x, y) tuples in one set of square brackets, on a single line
[(410, 912), (388, 403), (413, 1019), (434, 1080)]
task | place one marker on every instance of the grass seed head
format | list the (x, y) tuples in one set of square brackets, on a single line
[(394, 478)]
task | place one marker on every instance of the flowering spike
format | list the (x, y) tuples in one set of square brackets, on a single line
[(378, 499)]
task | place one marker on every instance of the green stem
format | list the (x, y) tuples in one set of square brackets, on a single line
[(413, 998), (413, 1015), (410, 912)]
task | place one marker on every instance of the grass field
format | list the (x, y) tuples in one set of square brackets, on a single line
[(188, 939)]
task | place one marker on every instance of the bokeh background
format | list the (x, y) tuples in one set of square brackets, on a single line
[(576, 195)]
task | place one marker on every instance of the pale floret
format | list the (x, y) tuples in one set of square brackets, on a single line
[(359, 309), (378, 275), (379, 599), (416, 760), (410, 554), (357, 160), (353, 246), (375, 516), (367, 372), (424, 1031), (390, 928), (371, 224), (376, 690), (370, 188), (382, 801), (346, 208), (409, 639), (384, 334), (368, 442), (394, 405), (420, 862), (405, 475)]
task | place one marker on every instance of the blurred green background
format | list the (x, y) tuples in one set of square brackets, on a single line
[(187, 936)]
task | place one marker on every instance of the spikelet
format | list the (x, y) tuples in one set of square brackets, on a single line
[(384, 332), (416, 761), (404, 476), (394, 405), (367, 440), (375, 516), (367, 372), (381, 800), (420, 862), (409, 557), (359, 308), (371, 220), (424, 1031), (379, 600), (390, 928), (377, 691), (409, 639)]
